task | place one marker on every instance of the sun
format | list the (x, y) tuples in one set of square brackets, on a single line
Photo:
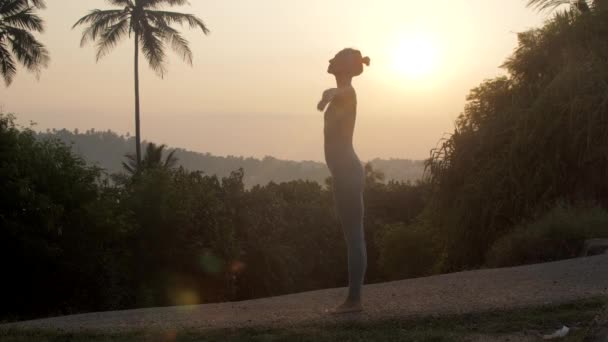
[(416, 56)]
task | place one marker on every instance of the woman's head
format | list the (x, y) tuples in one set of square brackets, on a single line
[(348, 62)]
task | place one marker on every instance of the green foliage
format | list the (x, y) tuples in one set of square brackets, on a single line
[(291, 240), (544, 5), (52, 237), (526, 140), (182, 224), (168, 236), (558, 234), (18, 19), (149, 25), (580, 6), (406, 251), (153, 158)]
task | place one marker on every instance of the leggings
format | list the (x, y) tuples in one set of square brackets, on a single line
[(348, 195)]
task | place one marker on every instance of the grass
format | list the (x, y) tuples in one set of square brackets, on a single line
[(577, 315)]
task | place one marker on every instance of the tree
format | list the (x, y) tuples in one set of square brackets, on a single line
[(152, 159), (38, 3), (150, 26), (60, 225), (525, 141), (582, 6), (17, 20)]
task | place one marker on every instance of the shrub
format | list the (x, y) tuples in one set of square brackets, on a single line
[(559, 234), (406, 251), (57, 221), (526, 140)]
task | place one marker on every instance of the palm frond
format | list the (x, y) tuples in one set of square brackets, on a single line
[(38, 3), (547, 5), (17, 43), (110, 37), (123, 3), (12, 7), (131, 164), (152, 159), (162, 21), (180, 45), (171, 160), (29, 51), (97, 15), (177, 42), (178, 18), (160, 3), (24, 19), (581, 6), (153, 47), (99, 22), (8, 69), (151, 27), (156, 155)]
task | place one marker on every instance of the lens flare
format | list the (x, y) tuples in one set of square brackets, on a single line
[(184, 296), (211, 264)]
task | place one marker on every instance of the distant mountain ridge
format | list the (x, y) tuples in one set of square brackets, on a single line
[(106, 149)]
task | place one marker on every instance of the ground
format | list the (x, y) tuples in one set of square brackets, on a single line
[(445, 307)]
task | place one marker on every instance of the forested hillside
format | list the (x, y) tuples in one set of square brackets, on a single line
[(107, 150)]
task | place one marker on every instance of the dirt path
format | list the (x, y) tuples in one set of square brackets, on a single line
[(465, 292)]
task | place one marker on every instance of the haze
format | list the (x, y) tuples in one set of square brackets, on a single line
[(256, 79)]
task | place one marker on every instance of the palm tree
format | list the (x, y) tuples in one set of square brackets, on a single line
[(17, 20), (153, 159), (150, 26), (38, 3), (582, 6)]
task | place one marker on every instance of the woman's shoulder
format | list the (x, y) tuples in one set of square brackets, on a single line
[(337, 97), (346, 93)]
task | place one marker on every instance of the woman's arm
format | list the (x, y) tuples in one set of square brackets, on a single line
[(327, 97)]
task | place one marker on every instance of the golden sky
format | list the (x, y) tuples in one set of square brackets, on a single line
[(256, 79)]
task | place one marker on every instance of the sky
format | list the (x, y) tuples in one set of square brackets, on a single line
[(256, 79)]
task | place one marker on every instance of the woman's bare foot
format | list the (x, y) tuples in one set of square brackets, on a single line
[(350, 306)]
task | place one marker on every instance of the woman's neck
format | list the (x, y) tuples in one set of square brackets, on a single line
[(344, 81)]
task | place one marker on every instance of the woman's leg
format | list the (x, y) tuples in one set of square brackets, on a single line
[(349, 203)]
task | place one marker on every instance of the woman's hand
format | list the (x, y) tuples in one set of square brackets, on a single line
[(328, 96)]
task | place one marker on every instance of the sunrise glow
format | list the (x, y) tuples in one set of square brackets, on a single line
[(416, 56)]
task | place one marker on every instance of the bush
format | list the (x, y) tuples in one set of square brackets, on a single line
[(406, 251), (526, 140), (559, 234), (57, 222)]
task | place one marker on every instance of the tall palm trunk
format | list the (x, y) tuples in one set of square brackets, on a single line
[(137, 121), (139, 19)]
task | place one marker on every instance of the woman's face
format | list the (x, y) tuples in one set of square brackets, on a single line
[(339, 64)]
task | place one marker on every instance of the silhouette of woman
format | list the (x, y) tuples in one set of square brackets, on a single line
[(346, 169)]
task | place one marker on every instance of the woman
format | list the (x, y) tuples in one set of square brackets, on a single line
[(346, 169)]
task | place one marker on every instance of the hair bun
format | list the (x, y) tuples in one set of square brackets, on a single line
[(366, 60)]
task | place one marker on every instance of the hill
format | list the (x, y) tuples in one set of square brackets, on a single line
[(107, 149)]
